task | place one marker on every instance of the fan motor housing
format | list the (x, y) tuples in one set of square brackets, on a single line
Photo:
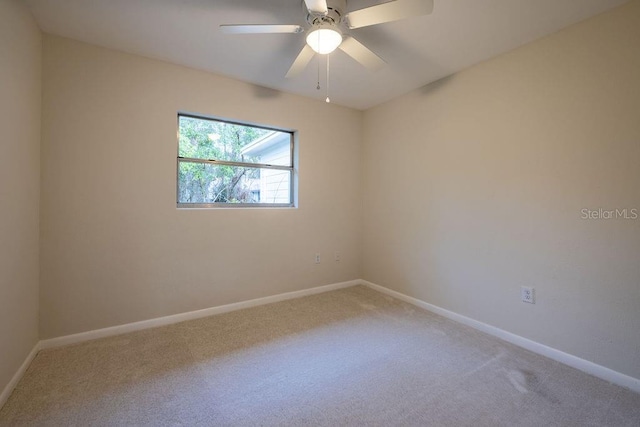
[(335, 12)]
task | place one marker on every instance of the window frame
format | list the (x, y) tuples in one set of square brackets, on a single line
[(291, 168)]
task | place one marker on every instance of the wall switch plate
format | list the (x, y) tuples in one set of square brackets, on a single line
[(527, 294), (317, 259), (336, 256)]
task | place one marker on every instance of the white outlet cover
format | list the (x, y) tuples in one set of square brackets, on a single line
[(527, 294)]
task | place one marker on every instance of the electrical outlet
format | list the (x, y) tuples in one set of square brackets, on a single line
[(528, 294), (317, 258), (336, 256)]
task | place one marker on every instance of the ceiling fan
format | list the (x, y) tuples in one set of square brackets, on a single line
[(328, 28)]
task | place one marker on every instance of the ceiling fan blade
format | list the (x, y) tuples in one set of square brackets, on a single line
[(362, 54), (388, 12), (301, 62), (261, 29), (317, 6)]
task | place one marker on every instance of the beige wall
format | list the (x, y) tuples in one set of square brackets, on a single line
[(474, 186), (20, 46), (114, 247)]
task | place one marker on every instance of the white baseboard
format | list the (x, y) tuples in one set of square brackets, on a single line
[(557, 355), (176, 318), (18, 375)]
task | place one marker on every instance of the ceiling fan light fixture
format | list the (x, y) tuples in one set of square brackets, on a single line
[(324, 39)]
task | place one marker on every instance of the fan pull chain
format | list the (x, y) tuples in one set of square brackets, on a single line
[(318, 87), (328, 100)]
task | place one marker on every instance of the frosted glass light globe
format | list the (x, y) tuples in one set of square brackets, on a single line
[(324, 39)]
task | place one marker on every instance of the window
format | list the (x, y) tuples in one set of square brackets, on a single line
[(222, 164)]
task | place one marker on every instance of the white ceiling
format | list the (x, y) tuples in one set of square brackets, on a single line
[(418, 50)]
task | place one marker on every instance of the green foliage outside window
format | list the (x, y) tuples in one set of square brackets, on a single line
[(216, 140)]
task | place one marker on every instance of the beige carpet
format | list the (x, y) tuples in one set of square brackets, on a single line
[(348, 357)]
